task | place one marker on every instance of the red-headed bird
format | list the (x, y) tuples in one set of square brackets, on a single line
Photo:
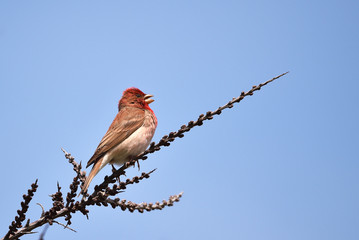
[(129, 134)]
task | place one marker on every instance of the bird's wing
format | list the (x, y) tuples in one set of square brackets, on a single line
[(126, 122)]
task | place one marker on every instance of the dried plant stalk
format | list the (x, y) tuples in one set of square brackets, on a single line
[(103, 192)]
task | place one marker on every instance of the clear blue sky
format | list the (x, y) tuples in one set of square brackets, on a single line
[(283, 164)]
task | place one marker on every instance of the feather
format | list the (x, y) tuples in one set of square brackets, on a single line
[(127, 121), (95, 169)]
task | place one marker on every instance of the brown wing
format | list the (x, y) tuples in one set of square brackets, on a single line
[(126, 122)]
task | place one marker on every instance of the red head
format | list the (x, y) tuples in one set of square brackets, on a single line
[(134, 97)]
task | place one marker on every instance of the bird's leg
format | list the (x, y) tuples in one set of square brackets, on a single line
[(130, 158), (114, 170), (138, 164)]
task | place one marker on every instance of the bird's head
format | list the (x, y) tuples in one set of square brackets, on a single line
[(134, 97)]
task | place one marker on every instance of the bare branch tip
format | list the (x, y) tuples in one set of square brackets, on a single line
[(42, 208), (65, 226)]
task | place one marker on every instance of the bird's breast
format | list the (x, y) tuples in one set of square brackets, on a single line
[(135, 144)]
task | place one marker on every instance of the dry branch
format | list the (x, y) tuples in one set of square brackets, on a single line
[(103, 192), (21, 212), (167, 139)]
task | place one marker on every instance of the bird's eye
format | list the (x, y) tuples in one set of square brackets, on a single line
[(138, 95)]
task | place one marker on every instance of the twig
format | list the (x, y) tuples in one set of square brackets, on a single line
[(42, 209), (21, 213), (165, 141), (77, 167), (131, 206), (65, 226), (123, 185)]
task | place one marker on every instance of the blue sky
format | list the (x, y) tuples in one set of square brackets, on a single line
[(280, 165)]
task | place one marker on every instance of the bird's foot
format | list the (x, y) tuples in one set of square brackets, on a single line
[(138, 164), (114, 170)]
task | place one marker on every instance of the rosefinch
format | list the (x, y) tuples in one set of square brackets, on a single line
[(129, 134)]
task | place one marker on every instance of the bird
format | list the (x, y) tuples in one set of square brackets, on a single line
[(129, 134)]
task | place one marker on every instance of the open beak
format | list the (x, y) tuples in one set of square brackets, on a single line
[(148, 99)]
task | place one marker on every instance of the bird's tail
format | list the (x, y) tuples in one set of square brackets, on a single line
[(95, 169)]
